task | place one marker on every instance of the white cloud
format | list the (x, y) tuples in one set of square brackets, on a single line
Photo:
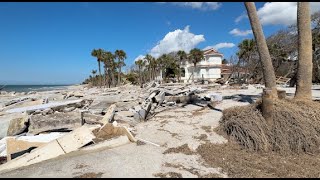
[(220, 45), (282, 13), (238, 32), (139, 57), (175, 41), (239, 18), (198, 5)]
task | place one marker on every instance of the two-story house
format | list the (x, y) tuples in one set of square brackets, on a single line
[(209, 68)]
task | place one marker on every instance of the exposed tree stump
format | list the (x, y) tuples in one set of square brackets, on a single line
[(267, 105)]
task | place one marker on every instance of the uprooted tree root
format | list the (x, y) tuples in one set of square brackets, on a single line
[(295, 127)]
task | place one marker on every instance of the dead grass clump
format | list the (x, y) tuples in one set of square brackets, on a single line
[(181, 149), (168, 175), (90, 175), (295, 128), (202, 137)]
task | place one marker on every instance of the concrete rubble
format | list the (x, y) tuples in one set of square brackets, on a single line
[(85, 119)]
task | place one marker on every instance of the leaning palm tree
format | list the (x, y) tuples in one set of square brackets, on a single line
[(304, 74), (266, 63), (182, 55), (195, 56), (121, 56), (98, 53), (140, 63)]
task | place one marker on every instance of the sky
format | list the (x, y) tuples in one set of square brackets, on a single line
[(51, 42)]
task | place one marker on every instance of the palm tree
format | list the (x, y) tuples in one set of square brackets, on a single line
[(149, 59), (246, 49), (266, 63), (93, 75), (140, 63), (153, 66), (110, 66), (195, 56), (121, 56), (304, 74), (182, 55), (98, 53)]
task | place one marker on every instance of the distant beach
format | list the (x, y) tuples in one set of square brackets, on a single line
[(28, 88)]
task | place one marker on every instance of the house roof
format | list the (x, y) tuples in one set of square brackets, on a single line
[(211, 51)]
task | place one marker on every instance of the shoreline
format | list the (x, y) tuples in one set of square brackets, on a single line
[(25, 89)]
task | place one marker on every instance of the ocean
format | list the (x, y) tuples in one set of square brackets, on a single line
[(27, 88)]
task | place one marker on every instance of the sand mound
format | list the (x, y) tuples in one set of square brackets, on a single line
[(295, 128)]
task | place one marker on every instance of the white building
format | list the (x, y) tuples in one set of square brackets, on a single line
[(209, 68)]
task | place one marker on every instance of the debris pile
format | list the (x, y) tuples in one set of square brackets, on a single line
[(44, 125)]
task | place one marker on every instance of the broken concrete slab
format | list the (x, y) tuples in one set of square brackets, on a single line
[(65, 144), (14, 101), (125, 113), (108, 117), (14, 146), (140, 115), (47, 111), (112, 143), (147, 107), (5, 121), (68, 109), (160, 97), (45, 106), (54, 122), (51, 150), (76, 139), (110, 130), (92, 117), (18, 125), (125, 120)]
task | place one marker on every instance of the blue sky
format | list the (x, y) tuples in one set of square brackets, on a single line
[(51, 43)]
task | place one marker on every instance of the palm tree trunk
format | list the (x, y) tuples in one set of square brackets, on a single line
[(105, 78), (194, 67), (99, 72), (150, 74), (119, 76), (179, 74), (266, 63), (141, 77), (113, 78), (304, 74)]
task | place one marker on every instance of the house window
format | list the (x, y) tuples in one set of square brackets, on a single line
[(183, 72)]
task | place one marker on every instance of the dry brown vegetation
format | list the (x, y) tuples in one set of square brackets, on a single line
[(295, 128), (89, 175), (241, 163), (181, 149)]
